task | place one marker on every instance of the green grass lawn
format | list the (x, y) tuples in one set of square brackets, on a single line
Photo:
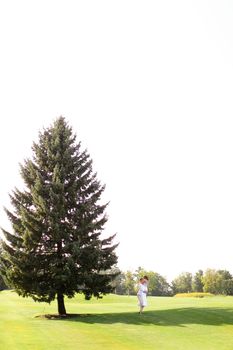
[(114, 323)]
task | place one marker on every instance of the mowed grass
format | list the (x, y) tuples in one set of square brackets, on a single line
[(114, 323)]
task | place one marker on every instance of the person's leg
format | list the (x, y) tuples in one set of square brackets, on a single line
[(140, 303)]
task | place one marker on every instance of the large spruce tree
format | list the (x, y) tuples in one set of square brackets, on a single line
[(55, 248)]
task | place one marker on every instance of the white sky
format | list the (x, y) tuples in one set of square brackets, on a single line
[(147, 86)]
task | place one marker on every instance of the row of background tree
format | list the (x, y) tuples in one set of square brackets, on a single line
[(211, 281)]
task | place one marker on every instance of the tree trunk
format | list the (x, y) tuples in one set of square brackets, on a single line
[(61, 304)]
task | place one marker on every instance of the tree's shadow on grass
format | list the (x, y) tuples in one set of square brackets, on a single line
[(172, 317)]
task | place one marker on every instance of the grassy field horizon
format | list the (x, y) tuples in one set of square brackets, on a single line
[(114, 323)]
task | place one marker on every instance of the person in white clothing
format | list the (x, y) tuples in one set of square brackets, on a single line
[(141, 294)]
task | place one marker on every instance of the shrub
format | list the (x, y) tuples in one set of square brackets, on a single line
[(193, 295)]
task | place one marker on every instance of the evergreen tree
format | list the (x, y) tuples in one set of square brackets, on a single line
[(56, 248), (2, 282)]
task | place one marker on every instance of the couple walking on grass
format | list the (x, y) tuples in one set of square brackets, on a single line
[(142, 292)]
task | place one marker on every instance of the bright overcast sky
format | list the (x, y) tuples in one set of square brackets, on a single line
[(147, 86)]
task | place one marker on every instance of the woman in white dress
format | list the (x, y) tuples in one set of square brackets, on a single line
[(141, 294)]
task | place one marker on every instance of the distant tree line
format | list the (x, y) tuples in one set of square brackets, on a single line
[(211, 281), (126, 283)]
